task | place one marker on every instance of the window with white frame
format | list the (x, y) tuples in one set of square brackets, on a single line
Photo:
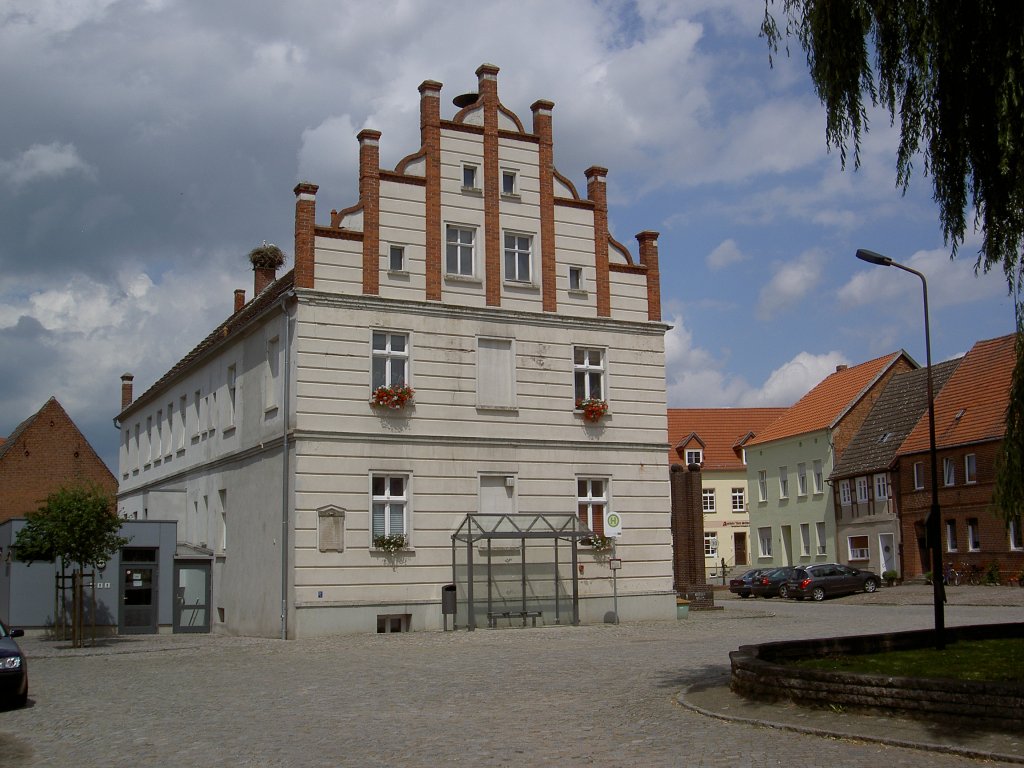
[(918, 475), (509, 182), (271, 379), (588, 373), (970, 468), (694, 456), (710, 544), (708, 500), (232, 393), (169, 439), (518, 257), (764, 541), (460, 248), (819, 480), (844, 493), (862, 490), (390, 364), (881, 486), (762, 485), (805, 539), (1016, 536), (858, 546), (470, 177), (739, 500), (389, 505), (575, 278), (158, 447), (948, 472), (951, 545), (149, 440), (495, 373), (801, 479), (182, 416), (973, 535), (396, 258), (783, 482), (819, 530), (138, 448), (592, 502)]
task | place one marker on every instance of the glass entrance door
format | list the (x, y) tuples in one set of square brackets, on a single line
[(192, 596), (138, 600)]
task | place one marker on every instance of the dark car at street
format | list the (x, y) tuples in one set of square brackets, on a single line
[(827, 579), (772, 583), (741, 585), (13, 669)]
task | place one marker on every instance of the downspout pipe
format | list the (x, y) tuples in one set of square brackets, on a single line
[(285, 409)]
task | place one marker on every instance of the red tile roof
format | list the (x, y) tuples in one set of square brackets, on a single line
[(980, 388), (719, 432), (822, 406)]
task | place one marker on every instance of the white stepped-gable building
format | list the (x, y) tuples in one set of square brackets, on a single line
[(477, 276)]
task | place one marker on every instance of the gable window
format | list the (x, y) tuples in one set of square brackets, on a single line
[(844, 493), (708, 500), (783, 482), (739, 500), (973, 535), (509, 183), (575, 278), (858, 546), (819, 530), (588, 373), (818, 479), (592, 502), (970, 468), (918, 475), (764, 541), (762, 485), (518, 257), (470, 177), (694, 456), (862, 490), (948, 472), (390, 363), (460, 245), (951, 536), (801, 479), (805, 539), (389, 502), (495, 373), (396, 258), (1016, 537), (710, 543), (881, 486)]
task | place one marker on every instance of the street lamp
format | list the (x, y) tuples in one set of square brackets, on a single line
[(933, 526)]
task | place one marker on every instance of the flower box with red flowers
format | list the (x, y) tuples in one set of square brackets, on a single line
[(395, 397), (593, 409)]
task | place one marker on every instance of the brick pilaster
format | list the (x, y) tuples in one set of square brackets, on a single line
[(126, 390), (687, 523), (649, 258), (430, 141), (487, 76), (305, 220), (597, 192), (369, 196), (546, 158)]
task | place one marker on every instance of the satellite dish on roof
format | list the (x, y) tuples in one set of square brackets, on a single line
[(465, 100)]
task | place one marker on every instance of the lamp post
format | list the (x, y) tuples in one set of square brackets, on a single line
[(933, 526)]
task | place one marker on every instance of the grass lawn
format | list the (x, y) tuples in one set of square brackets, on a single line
[(1000, 661)]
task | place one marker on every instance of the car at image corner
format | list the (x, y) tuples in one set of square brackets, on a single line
[(826, 579), (772, 583), (13, 669), (740, 585)]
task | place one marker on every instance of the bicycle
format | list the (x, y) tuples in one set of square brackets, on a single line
[(973, 573), (951, 576)]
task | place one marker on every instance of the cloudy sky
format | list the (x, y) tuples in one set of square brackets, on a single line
[(147, 145)]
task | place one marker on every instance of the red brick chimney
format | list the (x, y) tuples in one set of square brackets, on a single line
[(598, 193), (649, 258), (126, 390), (239, 299), (262, 277), (369, 196)]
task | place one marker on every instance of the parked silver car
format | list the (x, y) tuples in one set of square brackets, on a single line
[(825, 579)]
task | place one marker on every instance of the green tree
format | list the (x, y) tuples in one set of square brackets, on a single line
[(952, 73)]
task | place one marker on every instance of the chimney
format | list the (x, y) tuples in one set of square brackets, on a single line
[(262, 277), (265, 260), (305, 225), (648, 242), (598, 193), (840, 368), (239, 299), (430, 139), (369, 196), (126, 390), (542, 129)]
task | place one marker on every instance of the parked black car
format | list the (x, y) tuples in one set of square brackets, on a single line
[(13, 669), (741, 584), (773, 582), (825, 579)]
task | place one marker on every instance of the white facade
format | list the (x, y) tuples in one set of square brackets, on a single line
[(272, 458)]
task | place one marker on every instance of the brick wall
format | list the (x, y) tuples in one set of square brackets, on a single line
[(49, 453)]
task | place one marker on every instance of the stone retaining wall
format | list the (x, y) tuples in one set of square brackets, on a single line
[(757, 674)]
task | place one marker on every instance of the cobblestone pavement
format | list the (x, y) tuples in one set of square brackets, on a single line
[(590, 696)]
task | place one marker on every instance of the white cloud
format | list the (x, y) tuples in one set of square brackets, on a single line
[(794, 379), (725, 254), (791, 282), (45, 161)]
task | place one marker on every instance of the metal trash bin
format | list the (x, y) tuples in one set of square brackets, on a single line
[(448, 604)]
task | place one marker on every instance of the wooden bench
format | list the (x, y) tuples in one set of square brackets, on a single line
[(493, 616)]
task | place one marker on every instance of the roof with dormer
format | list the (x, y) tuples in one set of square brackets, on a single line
[(721, 433), (971, 408)]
